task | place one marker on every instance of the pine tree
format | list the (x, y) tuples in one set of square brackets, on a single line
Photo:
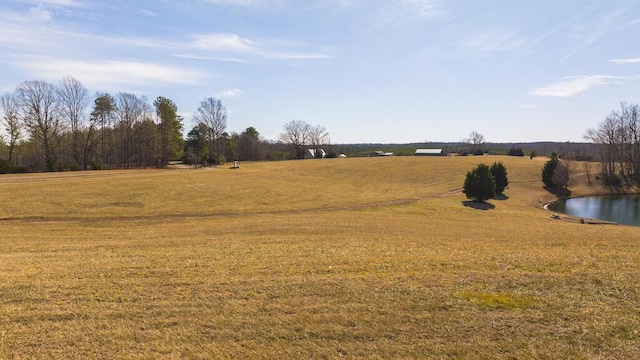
[(499, 172), (170, 127), (549, 169), (479, 184)]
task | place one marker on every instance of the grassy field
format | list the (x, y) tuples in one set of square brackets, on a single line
[(373, 258)]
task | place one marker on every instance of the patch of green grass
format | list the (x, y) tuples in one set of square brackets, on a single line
[(502, 301)]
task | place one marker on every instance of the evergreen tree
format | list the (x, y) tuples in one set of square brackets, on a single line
[(549, 169), (499, 172), (479, 184), (170, 126)]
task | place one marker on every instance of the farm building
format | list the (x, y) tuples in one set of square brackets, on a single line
[(429, 152), (315, 153), (381, 153)]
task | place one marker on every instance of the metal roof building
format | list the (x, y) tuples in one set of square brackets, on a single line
[(429, 152)]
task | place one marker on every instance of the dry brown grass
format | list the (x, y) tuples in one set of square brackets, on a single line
[(345, 258)]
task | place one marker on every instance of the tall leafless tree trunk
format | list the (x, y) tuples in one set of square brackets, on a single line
[(11, 120), (40, 110), (74, 102), (617, 139), (130, 110), (213, 116), (318, 137), (297, 136)]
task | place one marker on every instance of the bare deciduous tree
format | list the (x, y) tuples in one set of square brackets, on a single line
[(476, 139), (318, 136), (130, 110), (40, 110), (11, 120), (617, 139), (74, 102), (587, 166), (297, 136), (564, 173), (213, 116)]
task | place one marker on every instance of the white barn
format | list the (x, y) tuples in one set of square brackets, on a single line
[(429, 152)]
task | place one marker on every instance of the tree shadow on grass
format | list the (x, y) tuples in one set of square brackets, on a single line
[(478, 206), (500, 197), (559, 192)]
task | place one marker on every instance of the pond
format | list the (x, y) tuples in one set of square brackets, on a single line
[(623, 209)]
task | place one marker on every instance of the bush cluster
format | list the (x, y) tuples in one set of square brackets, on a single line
[(484, 182), (8, 168), (516, 152)]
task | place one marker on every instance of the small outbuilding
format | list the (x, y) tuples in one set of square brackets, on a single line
[(429, 152), (381, 153), (315, 153)]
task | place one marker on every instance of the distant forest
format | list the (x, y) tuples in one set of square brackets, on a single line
[(564, 149), (61, 127)]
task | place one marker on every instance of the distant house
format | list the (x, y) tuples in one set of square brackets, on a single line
[(315, 153), (429, 152), (381, 153)]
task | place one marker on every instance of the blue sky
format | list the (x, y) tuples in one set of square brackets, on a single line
[(369, 71)]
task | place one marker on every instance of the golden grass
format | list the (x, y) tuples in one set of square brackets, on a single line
[(345, 258)]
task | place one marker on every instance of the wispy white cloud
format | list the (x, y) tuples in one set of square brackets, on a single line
[(40, 14), (257, 4), (230, 93), (234, 44), (531, 107), (65, 3), (223, 43), (495, 41), (399, 14), (626, 61), (423, 9), (211, 58), (31, 30), (596, 26), (575, 85), (147, 12), (35, 31), (106, 73)]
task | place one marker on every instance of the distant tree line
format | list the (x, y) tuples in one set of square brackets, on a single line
[(54, 127), (59, 127)]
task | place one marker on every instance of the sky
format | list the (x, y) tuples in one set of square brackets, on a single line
[(369, 71)]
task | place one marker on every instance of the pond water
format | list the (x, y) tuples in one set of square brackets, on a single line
[(623, 209)]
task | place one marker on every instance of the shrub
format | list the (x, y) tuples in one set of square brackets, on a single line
[(479, 184), (515, 152), (19, 169), (5, 167), (96, 164), (548, 170), (499, 172), (611, 180)]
